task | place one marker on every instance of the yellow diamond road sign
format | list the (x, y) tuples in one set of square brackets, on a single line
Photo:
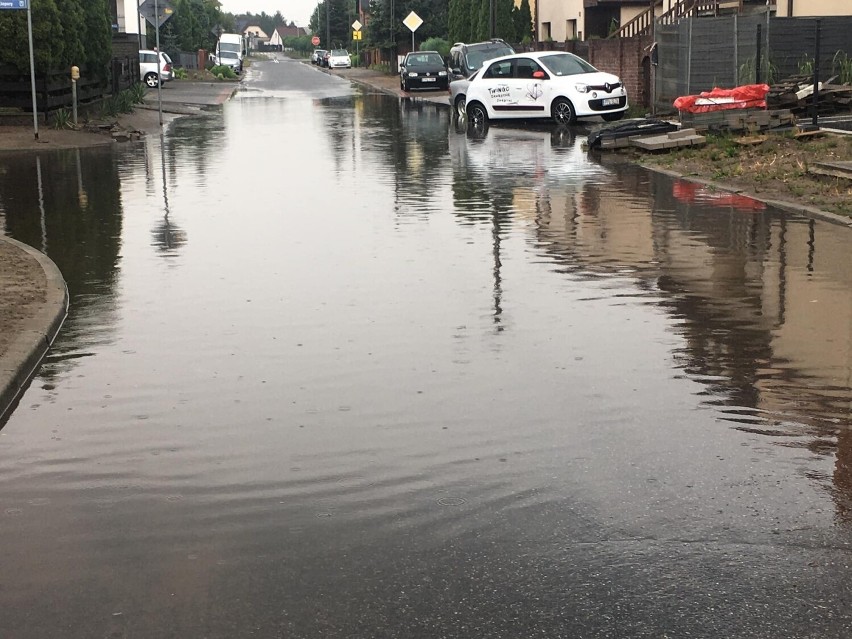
[(412, 21)]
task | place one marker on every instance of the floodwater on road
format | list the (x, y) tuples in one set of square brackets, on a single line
[(335, 368)]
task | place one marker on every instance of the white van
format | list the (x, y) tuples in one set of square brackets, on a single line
[(231, 43)]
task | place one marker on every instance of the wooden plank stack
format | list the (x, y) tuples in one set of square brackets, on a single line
[(736, 120), (796, 94)]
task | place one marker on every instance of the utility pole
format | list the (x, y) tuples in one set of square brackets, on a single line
[(328, 24)]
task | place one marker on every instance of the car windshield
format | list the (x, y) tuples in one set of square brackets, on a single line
[(424, 59), (475, 57), (567, 64), (339, 52), (230, 54)]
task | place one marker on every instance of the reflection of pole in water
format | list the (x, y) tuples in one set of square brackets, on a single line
[(498, 280), (41, 207), (167, 240), (82, 196)]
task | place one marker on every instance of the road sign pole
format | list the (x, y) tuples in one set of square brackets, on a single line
[(32, 69), (159, 79)]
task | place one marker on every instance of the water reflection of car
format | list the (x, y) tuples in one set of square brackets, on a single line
[(339, 59), (423, 70), (547, 84)]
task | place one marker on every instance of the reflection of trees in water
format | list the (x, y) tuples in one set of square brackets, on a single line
[(197, 141), (726, 275), (81, 229), (407, 138)]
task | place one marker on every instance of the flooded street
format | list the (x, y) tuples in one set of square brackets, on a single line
[(335, 368)]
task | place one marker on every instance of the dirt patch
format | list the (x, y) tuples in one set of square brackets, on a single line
[(774, 167), (142, 121), (23, 283)]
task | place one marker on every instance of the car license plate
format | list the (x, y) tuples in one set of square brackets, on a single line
[(610, 101), (428, 79)]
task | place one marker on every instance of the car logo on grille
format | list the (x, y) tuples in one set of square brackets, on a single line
[(608, 87)]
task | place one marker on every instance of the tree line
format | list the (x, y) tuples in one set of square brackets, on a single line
[(452, 20), (65, 33)]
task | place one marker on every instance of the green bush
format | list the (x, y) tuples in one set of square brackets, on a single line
[(436, 44), (62, 119), (356, 60), (223, 72), (138, 93), (180, 73)]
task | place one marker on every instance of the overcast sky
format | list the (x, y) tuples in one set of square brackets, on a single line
[(299, 11)]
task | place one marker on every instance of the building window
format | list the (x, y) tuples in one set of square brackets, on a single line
[(545, 29), (570, 29)]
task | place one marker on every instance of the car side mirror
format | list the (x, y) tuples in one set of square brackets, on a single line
[(538, 75)]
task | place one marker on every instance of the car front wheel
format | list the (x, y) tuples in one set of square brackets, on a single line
[(476, 114), (151, 80), (563, 111)]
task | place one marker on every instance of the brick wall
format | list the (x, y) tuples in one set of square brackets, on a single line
[(624, 57)]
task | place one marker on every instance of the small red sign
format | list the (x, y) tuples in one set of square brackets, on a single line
[(315, 40)]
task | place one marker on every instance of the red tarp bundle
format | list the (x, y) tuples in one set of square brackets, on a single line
[(750, 96)]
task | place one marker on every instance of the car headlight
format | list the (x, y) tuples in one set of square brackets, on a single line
[(442, 73), (412, 74), (581, 88)]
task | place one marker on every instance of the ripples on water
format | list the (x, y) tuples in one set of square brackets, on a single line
[(344, 339)]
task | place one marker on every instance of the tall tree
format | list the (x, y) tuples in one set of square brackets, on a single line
[(48, 38), (73, 24), (523, 23), (505, 27), (97, 35)]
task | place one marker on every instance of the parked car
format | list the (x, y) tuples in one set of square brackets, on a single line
[(148, 67), (423, 70), (546, 84), (458, 94), (229, 59), (317, 55), (467, 59), (339, 59)]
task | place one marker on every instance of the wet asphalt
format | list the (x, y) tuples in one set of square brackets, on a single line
[(336, 366)]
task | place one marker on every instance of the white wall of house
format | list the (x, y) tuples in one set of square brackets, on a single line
[(128, 10), (804, 8), (556, 19)]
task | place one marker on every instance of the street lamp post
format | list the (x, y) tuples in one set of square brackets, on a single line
[(219, 31)]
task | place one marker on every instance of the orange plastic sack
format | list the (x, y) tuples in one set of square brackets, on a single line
[(749, 96)]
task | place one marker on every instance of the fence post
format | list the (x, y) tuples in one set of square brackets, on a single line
[(816, 73), (758, 62)]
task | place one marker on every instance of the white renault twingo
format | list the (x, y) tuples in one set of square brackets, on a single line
[(547, 84)]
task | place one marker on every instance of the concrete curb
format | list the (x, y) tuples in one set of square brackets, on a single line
[(791, 207), (19, 364)]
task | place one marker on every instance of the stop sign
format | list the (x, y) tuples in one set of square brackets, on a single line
[(315, 40)]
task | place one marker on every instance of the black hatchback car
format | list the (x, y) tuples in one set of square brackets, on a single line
[(423, 70)]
